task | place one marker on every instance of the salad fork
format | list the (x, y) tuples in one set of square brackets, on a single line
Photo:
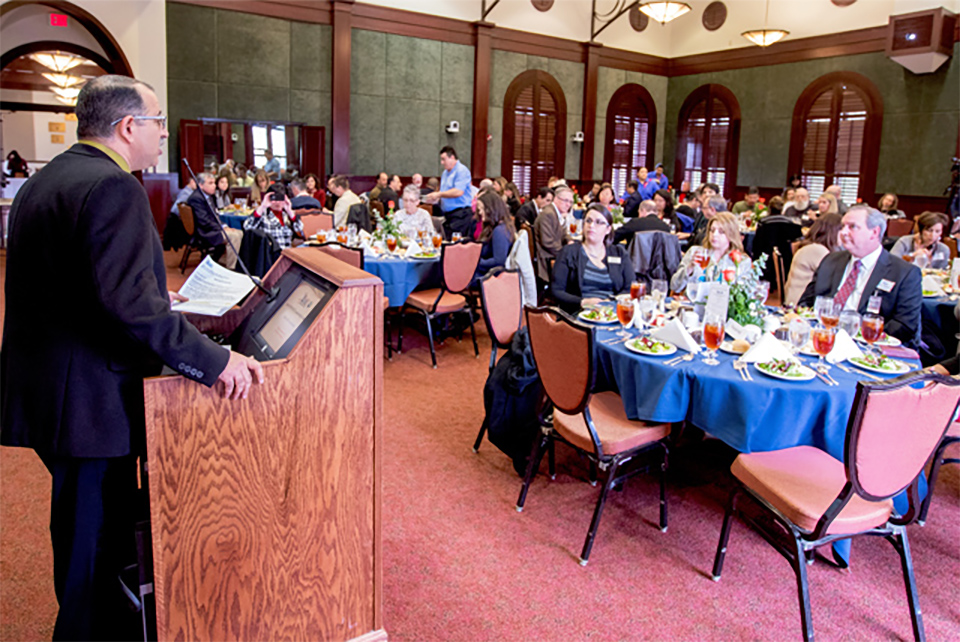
[(744, 369), (826, 373), (678, 360)]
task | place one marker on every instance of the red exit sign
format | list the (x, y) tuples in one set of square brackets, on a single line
[(58, 20)]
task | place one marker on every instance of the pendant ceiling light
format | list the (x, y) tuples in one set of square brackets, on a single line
[(58, 62), (66, 92), (765, 37), (63, 80), (664, 12)]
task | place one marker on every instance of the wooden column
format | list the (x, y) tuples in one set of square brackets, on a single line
[(481, 98), (591, 68), (341, 16)]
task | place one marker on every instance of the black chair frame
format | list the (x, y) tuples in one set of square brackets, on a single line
[(494, 343), (431, 314), (938, 460), (799, 550), (619, 467)]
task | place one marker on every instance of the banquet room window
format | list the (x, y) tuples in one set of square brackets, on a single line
[(835, 137), (708, 138), (272, 137), (534, 130), (630, 135)]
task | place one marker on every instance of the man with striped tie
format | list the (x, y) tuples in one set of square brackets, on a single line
[(863, 268)]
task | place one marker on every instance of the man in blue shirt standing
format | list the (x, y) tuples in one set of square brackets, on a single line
[(455, 195), (272, 166)]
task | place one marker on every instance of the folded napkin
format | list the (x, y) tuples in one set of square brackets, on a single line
[(367, 250), (771, 323), (674, 332), (412, 249), (766, 348), (364, 235), (900, 352), (751, 333), (933, 283), (844, 347), (734, 329)]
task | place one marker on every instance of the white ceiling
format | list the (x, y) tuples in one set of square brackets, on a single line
[(686, 35)]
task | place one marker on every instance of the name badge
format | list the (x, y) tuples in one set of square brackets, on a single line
[(613, 260), (885, 285)]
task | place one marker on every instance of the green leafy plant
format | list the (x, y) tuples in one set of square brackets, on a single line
[(386, 226), (745, 306)]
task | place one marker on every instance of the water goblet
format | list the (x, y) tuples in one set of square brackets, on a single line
[(799, 333)]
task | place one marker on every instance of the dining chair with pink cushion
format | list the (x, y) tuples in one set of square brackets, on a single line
[(952, 437), (458, 263), (594, 424), (314, 221), (801, 498), (502, 306)]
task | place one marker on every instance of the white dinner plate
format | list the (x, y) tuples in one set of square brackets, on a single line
[(808, 374), (727, 346), (902, 367), (597, 321), (887, 340), (634, 348)]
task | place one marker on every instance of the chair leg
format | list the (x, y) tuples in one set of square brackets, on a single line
[(433, 350), (186, 256), (725, 534), (552, 460), (598, 511), (899, 541), (663, 487), (473, 335), (532, 466), (799, 563), (403, 316), (483, 431), (493, 355), (593, 473), (386, 335), (938, 461)]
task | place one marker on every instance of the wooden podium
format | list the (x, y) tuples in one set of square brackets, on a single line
[(265, 512)]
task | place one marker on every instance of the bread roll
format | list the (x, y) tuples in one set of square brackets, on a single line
[(740, 346)]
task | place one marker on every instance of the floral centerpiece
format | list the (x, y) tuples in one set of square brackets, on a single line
[(386, 225), (746, 305), (616, 213)]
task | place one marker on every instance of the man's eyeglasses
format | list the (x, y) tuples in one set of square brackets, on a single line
[(564, 200), (161, 120)]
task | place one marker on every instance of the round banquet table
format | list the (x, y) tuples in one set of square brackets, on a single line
[(940, 312), (402, 276), (765, 414), (762, 415), (234, 221)]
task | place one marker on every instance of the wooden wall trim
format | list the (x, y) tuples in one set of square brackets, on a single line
[(591, 68), (342, 15), (533, 44), (632, 61), (481, 98), (410, 23), (847, 43)]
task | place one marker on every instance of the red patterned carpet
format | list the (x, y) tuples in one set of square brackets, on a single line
[(462, 564)]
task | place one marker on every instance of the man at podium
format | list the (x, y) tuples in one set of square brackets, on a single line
[(88, 317)]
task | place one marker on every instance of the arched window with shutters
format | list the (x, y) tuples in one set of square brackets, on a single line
[(708, 138), (835, 136), (630, 135), (534, 130)]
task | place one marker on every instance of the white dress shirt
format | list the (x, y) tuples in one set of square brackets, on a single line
[(867, 264)]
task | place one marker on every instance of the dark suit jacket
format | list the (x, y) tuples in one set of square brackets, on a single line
[(641, 224), (568, 272), (528, 212), (631, 207), (205, 219), (900, 307), (88, 315), (304, 202)]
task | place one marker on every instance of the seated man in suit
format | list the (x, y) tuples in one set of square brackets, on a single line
[(391, 193), (204, 217), (863, 268), (646, 221), (529, 211), (549, 232), (301, 198), (632, 205)]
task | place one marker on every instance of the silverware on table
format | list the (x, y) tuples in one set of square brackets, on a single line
[(858, 373), (744, 368), (825, 371), (678, 360)]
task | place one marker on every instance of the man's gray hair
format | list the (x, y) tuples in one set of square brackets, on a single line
[(561, 189), (298, 184), (412, 191), (717, 203), (105, 100), (875, 218), (203, 177)]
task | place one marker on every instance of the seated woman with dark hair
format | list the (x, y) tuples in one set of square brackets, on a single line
[(889, 204), (924, 248), (821, 239), (497, 232), (222, 196), (511, 195), (586, 273), (666, 213)]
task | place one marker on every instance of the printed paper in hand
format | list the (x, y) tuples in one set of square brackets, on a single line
[(213, 289)]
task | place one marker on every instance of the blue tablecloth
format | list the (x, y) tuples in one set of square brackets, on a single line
[(939, 312), (234, 220), (766, 414), (402, 276)]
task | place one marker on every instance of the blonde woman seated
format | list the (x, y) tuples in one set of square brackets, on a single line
[(412, 219), (826, 204), (821, 239), (721, 258)]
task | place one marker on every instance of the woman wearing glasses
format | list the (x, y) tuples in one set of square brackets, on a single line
[(586, 273)]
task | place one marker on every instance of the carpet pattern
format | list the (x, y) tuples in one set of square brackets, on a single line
[(461, 564)]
